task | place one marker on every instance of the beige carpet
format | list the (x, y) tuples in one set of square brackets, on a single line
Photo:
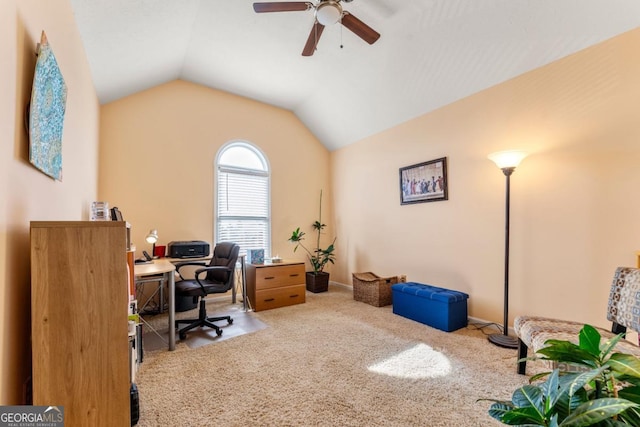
[(332, 361)]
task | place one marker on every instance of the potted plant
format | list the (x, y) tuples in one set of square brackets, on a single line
[(317, 280), (603, 391)]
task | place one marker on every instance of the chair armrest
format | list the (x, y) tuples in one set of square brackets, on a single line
[(188, 263), (200, 271)]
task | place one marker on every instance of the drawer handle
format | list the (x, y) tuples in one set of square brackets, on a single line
[(269, 299), (294, 275), (270, 277), (293, 296)]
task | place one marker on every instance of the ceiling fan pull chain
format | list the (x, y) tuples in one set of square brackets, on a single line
[(341, 26)]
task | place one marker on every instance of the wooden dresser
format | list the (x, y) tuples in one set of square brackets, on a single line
[(275, 285)]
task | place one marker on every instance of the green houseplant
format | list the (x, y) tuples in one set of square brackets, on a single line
[(317, 280), (605, 391)]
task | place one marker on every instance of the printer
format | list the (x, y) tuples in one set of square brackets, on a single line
[(188, 249)]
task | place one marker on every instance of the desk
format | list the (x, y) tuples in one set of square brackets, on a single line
[(166, 268)]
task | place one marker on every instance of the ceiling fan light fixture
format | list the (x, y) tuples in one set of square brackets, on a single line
[(328, 12)]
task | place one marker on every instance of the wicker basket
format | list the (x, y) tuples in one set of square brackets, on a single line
[(373, 289)]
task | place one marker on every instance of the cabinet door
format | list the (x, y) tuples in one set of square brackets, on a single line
[(79, 320)]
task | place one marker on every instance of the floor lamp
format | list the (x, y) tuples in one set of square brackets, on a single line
[(507, 161)]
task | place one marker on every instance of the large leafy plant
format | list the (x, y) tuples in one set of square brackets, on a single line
[(604, 390), (318, 257)]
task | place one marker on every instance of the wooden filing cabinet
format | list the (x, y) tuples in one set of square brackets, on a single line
[(79, 320), (275, 285)]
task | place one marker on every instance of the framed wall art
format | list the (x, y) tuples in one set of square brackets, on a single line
[(424, 182), (46, 113)]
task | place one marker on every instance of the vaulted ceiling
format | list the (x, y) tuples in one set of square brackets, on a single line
[(430, 53)]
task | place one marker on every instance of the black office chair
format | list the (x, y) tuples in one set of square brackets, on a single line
[(215, 278)]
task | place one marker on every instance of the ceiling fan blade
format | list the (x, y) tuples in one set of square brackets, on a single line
[(279, 6), (312, 41), (359, 28)]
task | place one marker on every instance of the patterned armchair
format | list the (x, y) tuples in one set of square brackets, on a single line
[(623, 311)]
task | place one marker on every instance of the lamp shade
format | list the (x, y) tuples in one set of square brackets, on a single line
[(152, 237), (508, 159), (328, 12)]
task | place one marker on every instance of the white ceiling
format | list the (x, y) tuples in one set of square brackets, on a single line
[(430, 53)]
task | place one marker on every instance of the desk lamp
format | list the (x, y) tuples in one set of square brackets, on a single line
[(507, 161), (152, 238)]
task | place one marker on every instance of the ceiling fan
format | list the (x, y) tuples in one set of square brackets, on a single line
[(327, 12)]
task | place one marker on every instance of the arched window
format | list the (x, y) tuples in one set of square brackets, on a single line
[(243, 208)]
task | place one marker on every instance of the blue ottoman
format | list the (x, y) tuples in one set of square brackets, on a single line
[(437, 307)]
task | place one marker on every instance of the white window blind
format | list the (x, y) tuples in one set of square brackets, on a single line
[(243, 203)]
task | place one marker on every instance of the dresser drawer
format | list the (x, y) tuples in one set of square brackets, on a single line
[(279, 297), (278, 276)]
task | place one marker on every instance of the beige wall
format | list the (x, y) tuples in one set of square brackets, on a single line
[(574, 210), (25, 193), (157, 156)]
